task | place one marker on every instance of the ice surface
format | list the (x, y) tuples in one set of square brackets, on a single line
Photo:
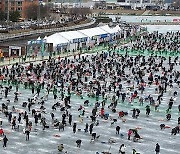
[(44, 142), (162, 28), (144, 19)]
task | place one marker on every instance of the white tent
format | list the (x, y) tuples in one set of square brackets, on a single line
[(45, 38), (39, 38), (111, 30), (73, 35), (117, 29), (75, 39), (91, 32), (57, 39)]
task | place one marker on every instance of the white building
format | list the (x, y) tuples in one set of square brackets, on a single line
[(141, 3)]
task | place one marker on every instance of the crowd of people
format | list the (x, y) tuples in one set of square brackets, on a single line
[(107, 78), (156, 43)]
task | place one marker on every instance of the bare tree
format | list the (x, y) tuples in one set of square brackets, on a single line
[(31, 11), (79, 12)]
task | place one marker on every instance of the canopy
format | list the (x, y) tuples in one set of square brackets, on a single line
[(73, 36), (56, 39), (111, 30), (97, 31), (63, 38), (39, 38), (116, 29)]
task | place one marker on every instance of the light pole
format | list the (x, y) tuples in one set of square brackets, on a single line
[(8, 10), (39, 10)]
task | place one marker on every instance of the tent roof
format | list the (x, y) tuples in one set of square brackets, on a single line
[(117, 29), (39, 38), (66, 37), (107, 29), (71, 35), (56, 39), (110, 30), (93, 31)]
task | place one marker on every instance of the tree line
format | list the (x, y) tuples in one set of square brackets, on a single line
[(35, 11)]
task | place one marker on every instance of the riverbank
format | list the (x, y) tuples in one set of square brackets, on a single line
[(136, 12)]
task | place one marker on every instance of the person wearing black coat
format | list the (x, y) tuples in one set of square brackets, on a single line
[(70, 119), (117, 130), (74, 128), (157, 149), (5, 139), (91, 128), (36, 118), (27, 134), (94, 136), (78, 143), (86, 128)]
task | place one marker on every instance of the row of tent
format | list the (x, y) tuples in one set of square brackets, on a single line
[(85, 35)]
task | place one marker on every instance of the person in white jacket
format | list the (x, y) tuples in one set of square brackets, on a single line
[(122, 149)]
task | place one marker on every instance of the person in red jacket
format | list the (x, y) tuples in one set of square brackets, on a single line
[(1, 131), (102, 112)]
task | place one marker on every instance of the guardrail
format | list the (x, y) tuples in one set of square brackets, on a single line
[(4, 37)]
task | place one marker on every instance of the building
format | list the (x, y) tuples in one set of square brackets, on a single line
[(143, 3), (16, 5)]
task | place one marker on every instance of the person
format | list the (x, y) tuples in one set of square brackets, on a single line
[(179, 121), (27, 134), (93, 136), (121, 114), (5, 140), (117, 129), (61, 126), (157, 149), (19, 118), (74, 128), (1, 132), (175, 130), (136, 136), (14, 123), (148, 110), (91, 128), (179, 108), (61, 147), (137, 113), (134, 113), (122, 149), (86, 128), (78, 143), (129, 134), (168, 116), (52, 115), (162, 126), (70, 119), (134, 151)]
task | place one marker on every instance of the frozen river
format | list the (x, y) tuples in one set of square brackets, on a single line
[(145, 19), (44, 141), (162, 28)]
